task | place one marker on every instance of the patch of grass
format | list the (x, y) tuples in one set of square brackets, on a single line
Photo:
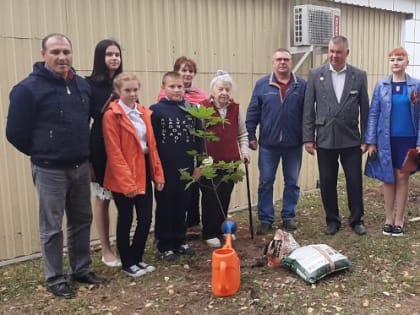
[(384, 277)]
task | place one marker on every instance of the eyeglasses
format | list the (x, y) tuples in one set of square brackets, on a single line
[(399, 59), (283, 59)]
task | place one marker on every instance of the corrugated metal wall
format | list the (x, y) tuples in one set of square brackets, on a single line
[(236, 35)]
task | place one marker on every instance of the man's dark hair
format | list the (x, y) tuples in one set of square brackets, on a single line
[(59, 35)]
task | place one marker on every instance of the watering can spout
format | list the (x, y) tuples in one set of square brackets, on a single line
[(228, 241)]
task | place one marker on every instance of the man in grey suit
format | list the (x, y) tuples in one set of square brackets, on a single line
[(336, 96)]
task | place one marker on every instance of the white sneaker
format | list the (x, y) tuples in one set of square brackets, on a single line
[(148, 268), (134, 271), (213, 242)]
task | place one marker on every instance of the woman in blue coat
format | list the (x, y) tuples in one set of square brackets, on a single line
[(393, 128)]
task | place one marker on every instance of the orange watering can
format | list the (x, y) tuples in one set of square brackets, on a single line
[(225, 277)]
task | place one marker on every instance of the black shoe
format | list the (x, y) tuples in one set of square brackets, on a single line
[(264, 228), (134, 271), (397, 231), (168, 256), (184, 249), (359, 229), (387, 229), (61, 290), (89, 278), (332, 229), (289, 225)]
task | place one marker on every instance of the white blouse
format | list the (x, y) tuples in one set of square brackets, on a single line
[(135, 117)]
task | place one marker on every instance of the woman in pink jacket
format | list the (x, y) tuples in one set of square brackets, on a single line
[(133, 162)]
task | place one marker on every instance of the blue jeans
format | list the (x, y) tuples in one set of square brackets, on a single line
[(268, 162), (59, 192)]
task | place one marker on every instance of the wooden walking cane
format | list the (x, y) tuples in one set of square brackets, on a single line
[(251, 225)]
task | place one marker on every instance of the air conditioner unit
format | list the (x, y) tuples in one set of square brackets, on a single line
[(315, 25)]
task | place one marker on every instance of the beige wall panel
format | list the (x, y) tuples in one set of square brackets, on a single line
[(28, 18), (18, 207), (236, 35)]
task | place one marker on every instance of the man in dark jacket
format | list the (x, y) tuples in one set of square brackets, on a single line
[(277, 105), (49, 121), (334, 122)]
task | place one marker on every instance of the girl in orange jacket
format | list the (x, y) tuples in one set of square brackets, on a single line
[(133, 162)]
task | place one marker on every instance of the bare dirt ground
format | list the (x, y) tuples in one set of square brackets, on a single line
[(384, 278)]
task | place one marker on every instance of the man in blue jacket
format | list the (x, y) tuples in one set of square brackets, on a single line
[(48, 120), (277, 106)]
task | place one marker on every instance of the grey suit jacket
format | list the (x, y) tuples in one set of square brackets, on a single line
[(331, 124)]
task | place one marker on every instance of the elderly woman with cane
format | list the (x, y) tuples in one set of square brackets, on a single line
[(232, 146)]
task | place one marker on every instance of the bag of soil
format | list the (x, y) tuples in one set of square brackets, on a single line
[(314, 262)]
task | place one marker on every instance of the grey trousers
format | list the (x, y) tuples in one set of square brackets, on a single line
[(62, 191)]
